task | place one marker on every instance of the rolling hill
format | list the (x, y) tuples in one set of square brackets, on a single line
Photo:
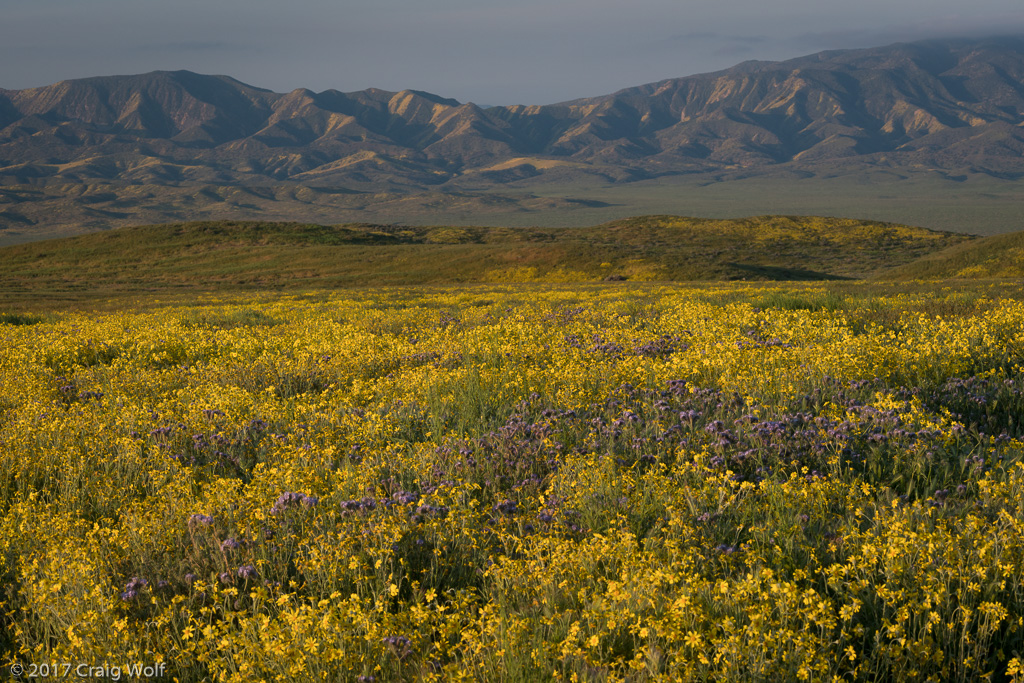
[(996, 256), (210, 256)]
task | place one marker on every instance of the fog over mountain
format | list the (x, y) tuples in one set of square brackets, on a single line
[(484, 51)]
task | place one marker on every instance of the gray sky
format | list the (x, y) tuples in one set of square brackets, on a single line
[(485, 51)]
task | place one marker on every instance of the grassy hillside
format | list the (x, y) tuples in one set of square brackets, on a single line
[(217, 255), (998, 256)]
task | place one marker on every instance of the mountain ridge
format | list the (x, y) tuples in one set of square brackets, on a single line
[(830, 106), (950, 107)]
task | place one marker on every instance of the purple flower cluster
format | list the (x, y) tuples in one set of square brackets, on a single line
[(291, 500), (508, 507), (426, 511), (399, 645), (566, 314), (991, 405), (519, 454), (247, 572), (659, 347), (448, 320), (756, 341), (68, 393), (365, 504), (400, 642), (205, 520), (132, 588), (401, 498), (421, 358)]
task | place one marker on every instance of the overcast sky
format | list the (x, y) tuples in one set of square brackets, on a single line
[(485, 51)]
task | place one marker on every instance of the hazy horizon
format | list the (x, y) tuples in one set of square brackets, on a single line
[(471, 50)]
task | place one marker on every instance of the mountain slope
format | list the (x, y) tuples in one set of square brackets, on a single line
[(949, 104), (98, 152)]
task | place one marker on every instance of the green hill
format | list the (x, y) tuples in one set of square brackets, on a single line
[(250, 255), (998, 256)]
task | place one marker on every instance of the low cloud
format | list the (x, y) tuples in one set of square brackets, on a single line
[(688, 39), (952, 26), (194, 46)]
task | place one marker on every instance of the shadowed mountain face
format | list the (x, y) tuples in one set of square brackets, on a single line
[(949, 105)]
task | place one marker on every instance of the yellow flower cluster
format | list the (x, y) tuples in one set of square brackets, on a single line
[(723, 483)]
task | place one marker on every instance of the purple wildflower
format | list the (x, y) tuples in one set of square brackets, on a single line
[(247, 572), (402, 498), (132, 588), (509, 507), (291, 499)]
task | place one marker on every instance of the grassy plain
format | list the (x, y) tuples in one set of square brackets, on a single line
[(972, 203), (969, 203), (620, 481)]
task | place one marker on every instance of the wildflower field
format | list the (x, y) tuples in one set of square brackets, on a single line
[(516, 483)]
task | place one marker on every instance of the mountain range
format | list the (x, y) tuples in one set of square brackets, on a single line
[(952, 107)]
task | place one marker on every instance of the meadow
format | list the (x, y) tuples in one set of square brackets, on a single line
[(588, 482)]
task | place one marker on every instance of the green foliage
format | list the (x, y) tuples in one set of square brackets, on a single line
[(815, 301), (19, 319)]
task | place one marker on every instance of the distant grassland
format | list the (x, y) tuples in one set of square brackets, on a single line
[(974, 204), (254, 255)]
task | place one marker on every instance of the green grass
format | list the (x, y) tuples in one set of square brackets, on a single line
[(998, 256), (20, 319), (243, 255), (814, 301)]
